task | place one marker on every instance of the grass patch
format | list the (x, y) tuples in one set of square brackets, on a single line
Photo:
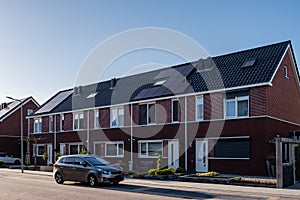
[(208, 174)]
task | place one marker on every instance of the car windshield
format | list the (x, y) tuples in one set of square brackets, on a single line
[(96, 161)]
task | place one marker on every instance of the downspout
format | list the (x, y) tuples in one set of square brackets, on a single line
[(88, 133), (28, 142), (185, 135), (54, 145), (131, 140)]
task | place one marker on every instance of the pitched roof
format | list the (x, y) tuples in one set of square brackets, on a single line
[(243, 68), (10, 107)]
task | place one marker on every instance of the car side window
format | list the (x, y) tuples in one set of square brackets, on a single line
[(62, 160), (78, 161), (69, 160)]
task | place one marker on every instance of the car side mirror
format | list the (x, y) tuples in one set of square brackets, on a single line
[(83, 164)]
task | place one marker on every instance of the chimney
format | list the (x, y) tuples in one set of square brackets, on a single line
[(3, 105), (113, 82)]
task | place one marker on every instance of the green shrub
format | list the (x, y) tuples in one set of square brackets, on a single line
[(208, 174), (167, 171), (45, 156), (158, 162), (180, 170), (1, 163)]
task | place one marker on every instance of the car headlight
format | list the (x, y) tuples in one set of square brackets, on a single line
[(103, 171)]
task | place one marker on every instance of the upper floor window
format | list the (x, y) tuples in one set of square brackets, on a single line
[(117, 117), (50, 123), (78, 120), (175, 111), (37, 128), (96, 119), (199, 108), (286, 72), (62, 122), (147, 113), (237, 107)]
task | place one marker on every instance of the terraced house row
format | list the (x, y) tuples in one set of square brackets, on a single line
[(214, 114)]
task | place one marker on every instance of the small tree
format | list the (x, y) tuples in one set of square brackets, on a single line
[(45, 156), (158, 162)]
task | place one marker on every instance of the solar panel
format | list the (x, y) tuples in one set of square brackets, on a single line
[(54, 102)]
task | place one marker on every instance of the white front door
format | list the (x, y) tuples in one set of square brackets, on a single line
[(201, 156), (49, 152), (173, 154)]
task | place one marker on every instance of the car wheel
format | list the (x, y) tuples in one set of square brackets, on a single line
[(58, 178), (17, 162), (92, 181), (116, 183)]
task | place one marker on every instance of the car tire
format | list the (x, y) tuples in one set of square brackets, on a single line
[(17, 162), (92, 181), (59, 178)]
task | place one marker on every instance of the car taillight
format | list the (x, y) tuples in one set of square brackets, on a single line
[(55, 165)]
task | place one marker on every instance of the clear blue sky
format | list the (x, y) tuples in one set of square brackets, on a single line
[(43, 43)]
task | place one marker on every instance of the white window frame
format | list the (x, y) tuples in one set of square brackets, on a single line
[(147, 146), (118, 109), (51, 124), (96, 119), (79, 116), (78, 146), (37, 125), (286, 72), (117, 143), (148, 110), (173, 111), (236, 100), (62, 149), (61, 122), (202, 99), (35, 150)]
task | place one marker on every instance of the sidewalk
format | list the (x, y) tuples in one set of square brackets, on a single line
[(177, 183)]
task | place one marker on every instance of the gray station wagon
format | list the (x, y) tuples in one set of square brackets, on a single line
[(86, 168)]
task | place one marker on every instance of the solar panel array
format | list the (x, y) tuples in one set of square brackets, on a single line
[(56, 100)]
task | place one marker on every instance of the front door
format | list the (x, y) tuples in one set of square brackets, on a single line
[(201, 156), (49, 152), (173, 154)]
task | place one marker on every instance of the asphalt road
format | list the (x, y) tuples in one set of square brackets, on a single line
[(37, 185)]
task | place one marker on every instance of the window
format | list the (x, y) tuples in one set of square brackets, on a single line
[(199, 108), (76, 149), (114, 149), (286, 72), (38, 150), (175, 111), (159, 82), (50, 123), (96, 119), (147, 113), (37, 125), (150, 149), (62, 122), (78, 121), (117, 117), (62, 149), (237, 107), (234, 148)]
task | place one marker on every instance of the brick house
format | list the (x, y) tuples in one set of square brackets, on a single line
[(215, 114), (10, 125)]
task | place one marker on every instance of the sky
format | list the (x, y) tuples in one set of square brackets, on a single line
[(43, 44)]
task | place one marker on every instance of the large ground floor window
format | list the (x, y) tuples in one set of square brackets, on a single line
[(109, 149), (150, 149)]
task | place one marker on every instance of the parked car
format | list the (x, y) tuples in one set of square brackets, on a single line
[(86, 168), (9, 159)]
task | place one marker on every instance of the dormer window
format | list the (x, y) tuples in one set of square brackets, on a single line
[(286, 72), (160, 82)]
